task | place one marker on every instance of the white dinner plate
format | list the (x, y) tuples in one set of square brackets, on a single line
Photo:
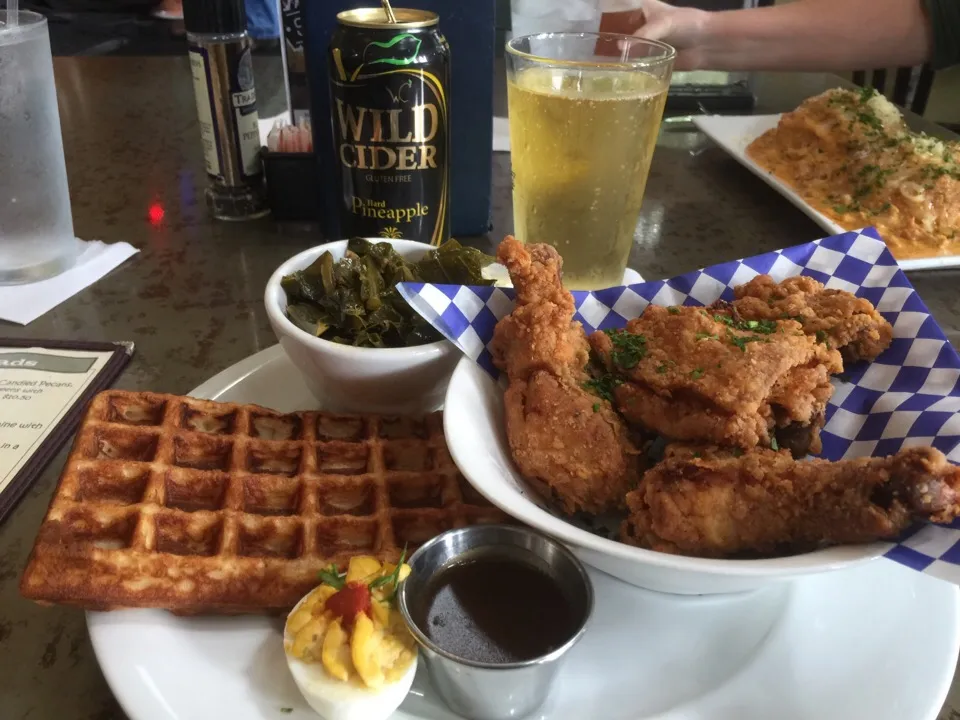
[(878, 642), (735, 132)]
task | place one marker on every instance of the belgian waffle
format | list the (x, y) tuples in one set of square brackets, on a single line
[(199, 506)]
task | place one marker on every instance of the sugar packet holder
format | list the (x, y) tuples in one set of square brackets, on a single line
[(910, 395)]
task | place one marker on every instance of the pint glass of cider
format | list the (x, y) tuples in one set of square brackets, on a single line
[(585, 111)]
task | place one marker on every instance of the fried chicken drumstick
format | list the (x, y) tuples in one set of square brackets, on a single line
[(689, 373), (563, 438), (714, 503), (850, 324)]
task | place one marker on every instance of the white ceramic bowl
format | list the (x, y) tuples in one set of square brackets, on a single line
[(351, 379), (474, 427)]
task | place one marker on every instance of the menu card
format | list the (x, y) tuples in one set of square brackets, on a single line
[(44, 388)]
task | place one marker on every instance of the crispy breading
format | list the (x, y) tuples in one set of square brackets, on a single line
[(715, 502), (850, 324), (690, 374), (560, 435)]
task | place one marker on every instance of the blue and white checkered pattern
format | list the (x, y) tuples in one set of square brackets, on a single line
[(909, 396)]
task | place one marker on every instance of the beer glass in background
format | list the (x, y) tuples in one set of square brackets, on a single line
[(36, 226), (585, 111)]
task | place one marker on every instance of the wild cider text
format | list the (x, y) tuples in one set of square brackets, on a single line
[(375, 139)]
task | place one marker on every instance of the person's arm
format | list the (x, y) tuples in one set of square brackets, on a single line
[(810, 35)]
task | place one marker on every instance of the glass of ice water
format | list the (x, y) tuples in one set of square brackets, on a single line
[(36, 226)]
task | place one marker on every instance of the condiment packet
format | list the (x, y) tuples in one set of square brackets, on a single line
[(910, 395)]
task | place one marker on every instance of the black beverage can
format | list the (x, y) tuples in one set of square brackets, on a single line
[(390, 103)]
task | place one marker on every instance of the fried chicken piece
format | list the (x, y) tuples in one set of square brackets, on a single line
[(689, 374), (846, 322), (712, 502), (563, 438)]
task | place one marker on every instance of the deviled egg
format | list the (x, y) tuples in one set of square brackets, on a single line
[(347, 645)]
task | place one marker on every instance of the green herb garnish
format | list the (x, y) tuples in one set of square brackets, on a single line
[(673, 310), (628, 348), (741, 341), (774, 445), (332, 577), (393, 577), (696, 373), (603, 386), (707, 336), (596, 407), (661, 369), (764, 327)]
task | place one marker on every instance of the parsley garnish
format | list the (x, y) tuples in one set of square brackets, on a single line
[(774, 445), (870, 120), (696, 454), (822, 336), (696, 373), (603, 386), (332, 577), (764, 327), (661, 369), (393, 577), (707, 336), (596, 407), (673, 310), (627, 348), (741, 341)]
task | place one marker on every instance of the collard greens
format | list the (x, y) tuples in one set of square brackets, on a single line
[(354, 300)]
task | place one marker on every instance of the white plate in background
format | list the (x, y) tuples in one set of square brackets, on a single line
[(735, 132)]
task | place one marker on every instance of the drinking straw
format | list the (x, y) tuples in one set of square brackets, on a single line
[(13, 12)]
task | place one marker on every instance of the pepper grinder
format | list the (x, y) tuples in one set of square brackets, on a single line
[(222, 66)]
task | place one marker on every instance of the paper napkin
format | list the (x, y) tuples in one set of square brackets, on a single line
[(23, 304), (910, 395)]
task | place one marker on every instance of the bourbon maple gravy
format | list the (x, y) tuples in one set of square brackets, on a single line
[(495, 610), (493, 607)]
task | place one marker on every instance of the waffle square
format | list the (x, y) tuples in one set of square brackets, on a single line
[(198, 506)]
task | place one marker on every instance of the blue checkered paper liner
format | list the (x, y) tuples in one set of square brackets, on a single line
[(910, 395)]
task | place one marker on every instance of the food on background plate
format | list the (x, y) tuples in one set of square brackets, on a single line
[(561, 435), (347, 645), (752, 375), (689, 373), (200, 506), (850, 155), (843, 321), (354, 300), (714, 502)]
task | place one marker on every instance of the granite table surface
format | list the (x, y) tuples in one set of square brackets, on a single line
[(191, 299)]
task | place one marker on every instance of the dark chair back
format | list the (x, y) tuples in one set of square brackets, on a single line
[(911, 85)]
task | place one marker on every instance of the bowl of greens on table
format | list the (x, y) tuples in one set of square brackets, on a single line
[(341, 320)]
